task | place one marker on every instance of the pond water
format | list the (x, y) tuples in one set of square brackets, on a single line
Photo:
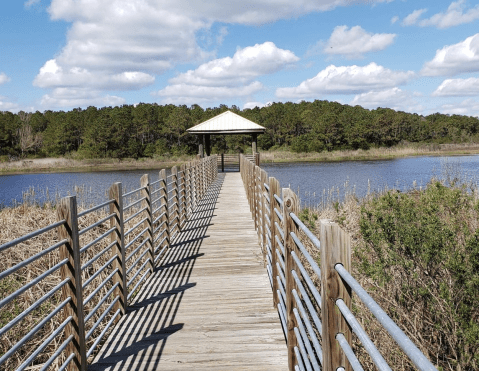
[(90, 187), (315, 183), (319, 183)]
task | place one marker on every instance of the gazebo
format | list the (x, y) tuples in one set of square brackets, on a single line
[(227, 123)]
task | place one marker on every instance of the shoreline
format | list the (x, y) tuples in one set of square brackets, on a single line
[(374, 154), (62, 165)]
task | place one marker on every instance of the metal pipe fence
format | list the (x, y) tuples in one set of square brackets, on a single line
[(314, 300), (102, 266)]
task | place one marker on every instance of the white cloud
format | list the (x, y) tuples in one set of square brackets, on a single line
[(469, 107), (80, 97), (458, 87), (356, 41), (223, 32), (393, 98), (453, 16), (193, 94), (6, 105), (346, 80), (28, 4), (412, 18), (52, 75), (454, 59), (152, 36), (120, 35), (111, 37), (229, 77), (117, 45), (4, 78), (251, 105), (246, 64), (394, 19)]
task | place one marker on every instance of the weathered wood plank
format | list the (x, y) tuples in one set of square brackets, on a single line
[(208, 305)]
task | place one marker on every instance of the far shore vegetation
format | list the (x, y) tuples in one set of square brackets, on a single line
[(151, 135), (281, 155), (68, 164)]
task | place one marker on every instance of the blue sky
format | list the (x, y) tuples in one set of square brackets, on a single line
[(415, 56)]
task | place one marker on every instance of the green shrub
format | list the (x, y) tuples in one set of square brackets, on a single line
[(308, 217), (423, 248)]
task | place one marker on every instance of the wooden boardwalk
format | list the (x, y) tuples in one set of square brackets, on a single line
[(209, 305)]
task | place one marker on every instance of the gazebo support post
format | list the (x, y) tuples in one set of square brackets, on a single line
[(208, 145), (254, 142)]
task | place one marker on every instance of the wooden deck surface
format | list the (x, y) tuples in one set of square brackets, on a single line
[(209, 305)]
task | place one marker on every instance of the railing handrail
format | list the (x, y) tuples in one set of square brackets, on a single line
[(284, 255), (188, 187)]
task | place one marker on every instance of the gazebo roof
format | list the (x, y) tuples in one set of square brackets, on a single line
[(227, 123)]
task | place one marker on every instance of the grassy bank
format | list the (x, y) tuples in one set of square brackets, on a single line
[(282, 155), (382, 153), (49, 165)]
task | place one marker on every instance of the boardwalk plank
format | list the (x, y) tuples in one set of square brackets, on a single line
[(208, 306)]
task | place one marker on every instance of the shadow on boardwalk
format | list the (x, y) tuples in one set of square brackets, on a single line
[(139, 339)]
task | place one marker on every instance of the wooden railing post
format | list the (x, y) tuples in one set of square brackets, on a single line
[(335, 248), (164, 205), (207, 173), (145, 182), (174, 197), (203, 181), (188, 189), (194, 184), (264, 241), (274, 189), (290, 204), (251, 189), (200, 180), (118, 250), (182, 196), (222, 162), (67, 210), (257, 199)]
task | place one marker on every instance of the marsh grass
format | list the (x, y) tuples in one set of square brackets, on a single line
[(68, 164), (404, 150), (28, 217)]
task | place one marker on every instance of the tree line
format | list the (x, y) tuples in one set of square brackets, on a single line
[(148, 130)]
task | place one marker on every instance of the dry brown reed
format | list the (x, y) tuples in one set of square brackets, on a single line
[(102, 164), (371, 154), (26, 218)]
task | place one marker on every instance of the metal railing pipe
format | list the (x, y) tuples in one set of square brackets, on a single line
[(31, 235), (94, 208), (414, 354), (369, 346)]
